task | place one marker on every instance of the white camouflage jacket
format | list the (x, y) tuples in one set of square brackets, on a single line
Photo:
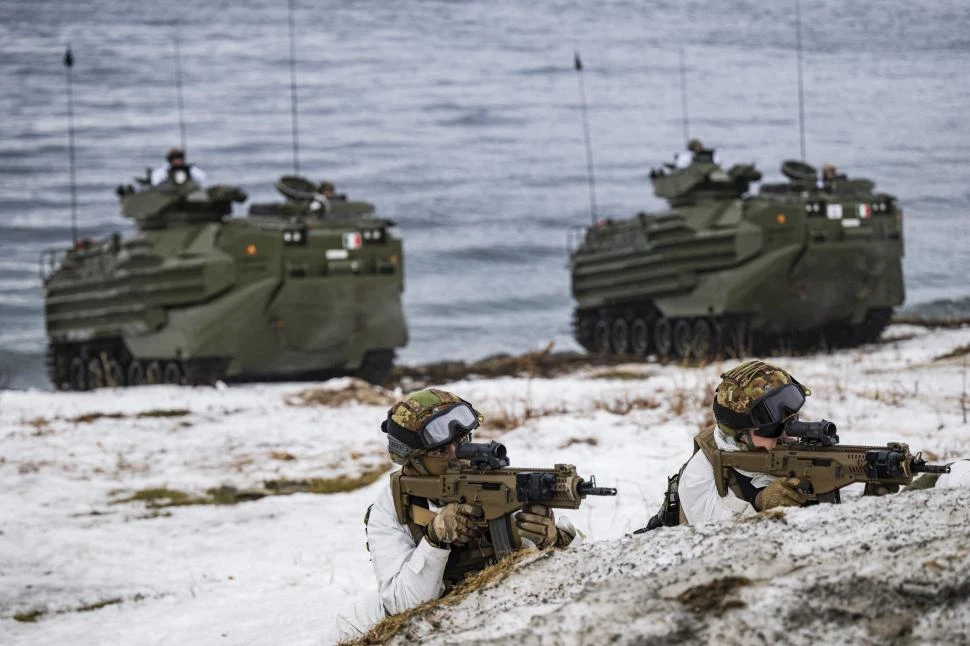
[(699, 499)]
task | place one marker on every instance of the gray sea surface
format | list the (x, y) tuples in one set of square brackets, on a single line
[(461, 121)]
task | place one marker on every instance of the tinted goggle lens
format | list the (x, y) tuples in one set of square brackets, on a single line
[(773, 408), (448, 426)]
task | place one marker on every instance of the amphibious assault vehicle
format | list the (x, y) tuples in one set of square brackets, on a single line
[(724, 272), (307, 288)]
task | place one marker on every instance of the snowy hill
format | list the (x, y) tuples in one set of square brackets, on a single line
[(154, 515), (893, 571)]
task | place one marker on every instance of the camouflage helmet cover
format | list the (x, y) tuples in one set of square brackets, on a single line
[(411, 414), (743, 385)]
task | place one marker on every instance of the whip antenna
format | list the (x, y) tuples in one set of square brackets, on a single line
[(589, 148), (683, 97), (293, 110), (69, 65), (801, 91), (178, 87)]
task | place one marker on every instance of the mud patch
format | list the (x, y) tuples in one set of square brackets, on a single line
[(714, 597)]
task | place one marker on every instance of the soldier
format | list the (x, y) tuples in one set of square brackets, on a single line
[(696, 152), (751, 406), (830, 175), (328, 190), (424, 558), (176, 163)]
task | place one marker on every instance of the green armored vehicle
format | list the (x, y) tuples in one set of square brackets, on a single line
[(805, 262), (305, 289)]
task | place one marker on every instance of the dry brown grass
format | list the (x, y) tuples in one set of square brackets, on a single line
[(512, 417), (357, 391), (956, 353), (573, 441), (624, 404), (388, 628), (89, 418), (623, 375), (162, 497)]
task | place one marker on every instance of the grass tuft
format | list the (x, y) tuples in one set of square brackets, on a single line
[(88, 418), (30, 617), (163, 412)]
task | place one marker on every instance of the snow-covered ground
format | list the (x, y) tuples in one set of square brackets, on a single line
[(892, 571), (280, 569)]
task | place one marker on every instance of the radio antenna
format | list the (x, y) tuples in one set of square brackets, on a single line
[(801, 90), (683, 97), (589, 147), (293, 106), (178, 86), (69, 65)]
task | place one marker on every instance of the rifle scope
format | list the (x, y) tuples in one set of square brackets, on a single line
[(483, 456), (822, 432)]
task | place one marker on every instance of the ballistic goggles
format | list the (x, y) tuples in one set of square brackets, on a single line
[(768, 413), (440, 430)]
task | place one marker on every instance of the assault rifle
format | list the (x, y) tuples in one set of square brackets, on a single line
[(487, 481), (823, 467)]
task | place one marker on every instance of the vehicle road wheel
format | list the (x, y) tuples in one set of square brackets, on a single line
[(601, 337), (639, 337), (621, 336), (136, 373), (116, 374), (703, 340), (96, 374), (153, 373), (662, 337), (682, 339), (172, 374), (78, 374)]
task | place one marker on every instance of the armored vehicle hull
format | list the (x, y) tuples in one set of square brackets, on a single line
[(195, 296), (725, 273)]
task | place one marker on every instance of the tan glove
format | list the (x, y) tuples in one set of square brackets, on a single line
[(782, 492), (455, 525), (538, 524)]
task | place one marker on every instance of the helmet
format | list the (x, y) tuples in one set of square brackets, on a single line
[(175, 153), (426, 420), (695, 145), (757, 396), (326, 186)]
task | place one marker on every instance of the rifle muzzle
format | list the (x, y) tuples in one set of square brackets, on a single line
[(920, 466), (589, 488)]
